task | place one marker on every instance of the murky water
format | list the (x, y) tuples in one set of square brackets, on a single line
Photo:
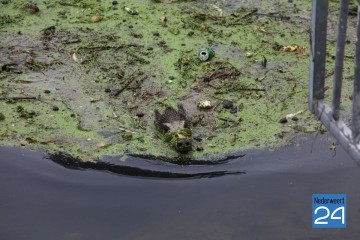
[(40, 199)]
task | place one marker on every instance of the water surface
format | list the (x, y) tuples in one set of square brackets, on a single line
[(40, 199)]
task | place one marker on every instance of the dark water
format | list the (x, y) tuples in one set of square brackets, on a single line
[(40, 199)]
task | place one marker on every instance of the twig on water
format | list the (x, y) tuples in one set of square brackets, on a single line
[(127, 84), (19, 98), (62, 2)]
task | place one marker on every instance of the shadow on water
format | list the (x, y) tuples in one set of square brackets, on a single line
[(148, 168), (40, 199)]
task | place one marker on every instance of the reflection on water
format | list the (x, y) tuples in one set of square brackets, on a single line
[(40, 199), (153, 168)]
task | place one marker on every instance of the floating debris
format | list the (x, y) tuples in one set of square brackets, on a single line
[(248, 54), (127, 136), (290, 115), (206, 54), (332, 147), (292, 48), (204, 104), (62, 2), (234, 110), (199, 149), (74, 57), (140, 114), (2, 117), (24, 113), (221, 12), (163, 19), (102, 144), (283, 120), (131, 11), (174, 30), (228, 104), (12, 99), (264, 62), (96, 18), (31, 8)]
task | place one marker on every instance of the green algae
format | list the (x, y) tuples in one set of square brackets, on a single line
[(148, 64)]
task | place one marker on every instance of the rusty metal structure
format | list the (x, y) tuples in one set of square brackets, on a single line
[(329, 113)]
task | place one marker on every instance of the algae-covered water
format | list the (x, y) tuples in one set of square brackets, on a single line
[(84, 77)]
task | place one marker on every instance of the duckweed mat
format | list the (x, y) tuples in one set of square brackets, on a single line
[(84, 77)]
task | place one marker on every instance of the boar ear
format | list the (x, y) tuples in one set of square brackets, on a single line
[(157, 115), (159, 121), (181, 110), (183, 116)]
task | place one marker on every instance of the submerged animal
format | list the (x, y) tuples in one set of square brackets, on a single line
[(176, 128)]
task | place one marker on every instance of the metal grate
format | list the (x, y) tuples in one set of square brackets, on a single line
[(329, 115)]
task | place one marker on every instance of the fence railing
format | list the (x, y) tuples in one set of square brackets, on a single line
[(329, 114)]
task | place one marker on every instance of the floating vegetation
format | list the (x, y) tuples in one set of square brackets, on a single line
[(84, 77)]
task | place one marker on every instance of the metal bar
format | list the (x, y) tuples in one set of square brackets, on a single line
[(349, 138), (339, 58), (356, 95), (338, 130), (317, 51)]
